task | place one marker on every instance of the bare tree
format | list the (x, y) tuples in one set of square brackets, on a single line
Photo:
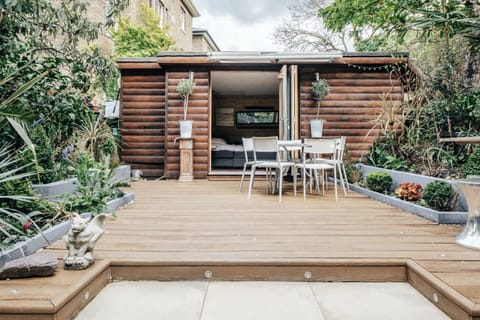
[(303, 30)]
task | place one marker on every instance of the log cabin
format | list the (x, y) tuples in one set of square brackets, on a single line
[(233, 89)]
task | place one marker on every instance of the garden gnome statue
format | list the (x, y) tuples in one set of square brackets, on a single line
[(80, 241)]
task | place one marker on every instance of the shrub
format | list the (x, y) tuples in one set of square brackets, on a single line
[(44, 154), (353, 173), (95, 187), (472, 166), (379, 181), (440, 196), (409, 191)]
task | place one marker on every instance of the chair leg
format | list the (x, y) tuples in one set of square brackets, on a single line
[(310, 179), (342, 179), (294, 173), (316, 181), (243, 176), (345, 176), (280, 184), (252, 177), (304, 178), (273, 180), (335, 181)]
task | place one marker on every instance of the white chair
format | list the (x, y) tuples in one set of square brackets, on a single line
[(279, 166), (312, 149), (338, 162), (249, 161), (291, 150)]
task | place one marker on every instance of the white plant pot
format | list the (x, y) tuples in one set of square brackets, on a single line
[(316, 128), (186, 128)]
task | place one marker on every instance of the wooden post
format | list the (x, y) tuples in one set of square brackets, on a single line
[(186, 160)]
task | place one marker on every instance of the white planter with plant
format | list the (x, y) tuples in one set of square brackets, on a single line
[(320, 89), (185, 89)]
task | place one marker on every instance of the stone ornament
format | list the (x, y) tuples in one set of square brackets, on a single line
[(41, 264), (80, 241)]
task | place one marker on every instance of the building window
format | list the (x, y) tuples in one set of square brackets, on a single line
[(183, 19), (161, 13), (159, 9)]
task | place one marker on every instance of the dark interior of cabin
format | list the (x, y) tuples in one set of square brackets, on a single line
[(244, 104)]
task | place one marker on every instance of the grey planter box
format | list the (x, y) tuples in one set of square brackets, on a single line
[(55, 233), (114, 204), (401, 177), (35, 243), (56, 189), (452, 217), (122, 174)]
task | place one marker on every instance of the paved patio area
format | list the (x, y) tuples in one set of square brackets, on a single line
[(259, 300)]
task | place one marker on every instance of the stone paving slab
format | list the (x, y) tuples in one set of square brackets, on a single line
[(197, 300), (364, 301)]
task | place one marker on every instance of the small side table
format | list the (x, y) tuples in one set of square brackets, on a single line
[(186, 159)]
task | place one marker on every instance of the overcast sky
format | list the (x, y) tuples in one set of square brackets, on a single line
[(242, 24)]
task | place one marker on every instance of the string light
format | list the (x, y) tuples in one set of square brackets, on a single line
[(370, 68)]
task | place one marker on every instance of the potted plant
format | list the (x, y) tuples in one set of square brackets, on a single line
[(320, 89), (185, 89)]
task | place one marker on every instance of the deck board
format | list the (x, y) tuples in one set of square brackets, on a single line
[(174, 225)]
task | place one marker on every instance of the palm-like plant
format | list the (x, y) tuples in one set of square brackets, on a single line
[(95, 136), (10, 218), (9, 112)]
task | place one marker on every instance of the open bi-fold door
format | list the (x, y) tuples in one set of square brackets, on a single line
[(288, 102)]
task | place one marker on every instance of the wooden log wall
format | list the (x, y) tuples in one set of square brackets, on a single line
[(351, 107), (142, 121), (198, 111)]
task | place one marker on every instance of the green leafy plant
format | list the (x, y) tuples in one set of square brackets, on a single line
[(44, 154), (395, 163), (409, 191), (379, 181), (353, 173), (439, 195), (143, 40), (58, 48), (472, 166), (320, 89), (19, 215), (379, 157), (95, 187), (96, 137)]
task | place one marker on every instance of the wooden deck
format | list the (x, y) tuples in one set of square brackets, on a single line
[(209, 230)]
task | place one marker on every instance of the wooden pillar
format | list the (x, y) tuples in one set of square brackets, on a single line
[(186, 160)]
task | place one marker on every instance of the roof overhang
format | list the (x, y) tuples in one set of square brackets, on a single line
[(206, 35), (256, 58), (191, 8), (137, 63)]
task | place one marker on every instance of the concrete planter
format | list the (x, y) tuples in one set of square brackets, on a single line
[(114, 204), (452, 217), (35, 243), (55, 233), (122, 174), (56, 189)]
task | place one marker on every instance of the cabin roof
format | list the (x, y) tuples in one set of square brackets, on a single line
[(262, 58), (266, 58)]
